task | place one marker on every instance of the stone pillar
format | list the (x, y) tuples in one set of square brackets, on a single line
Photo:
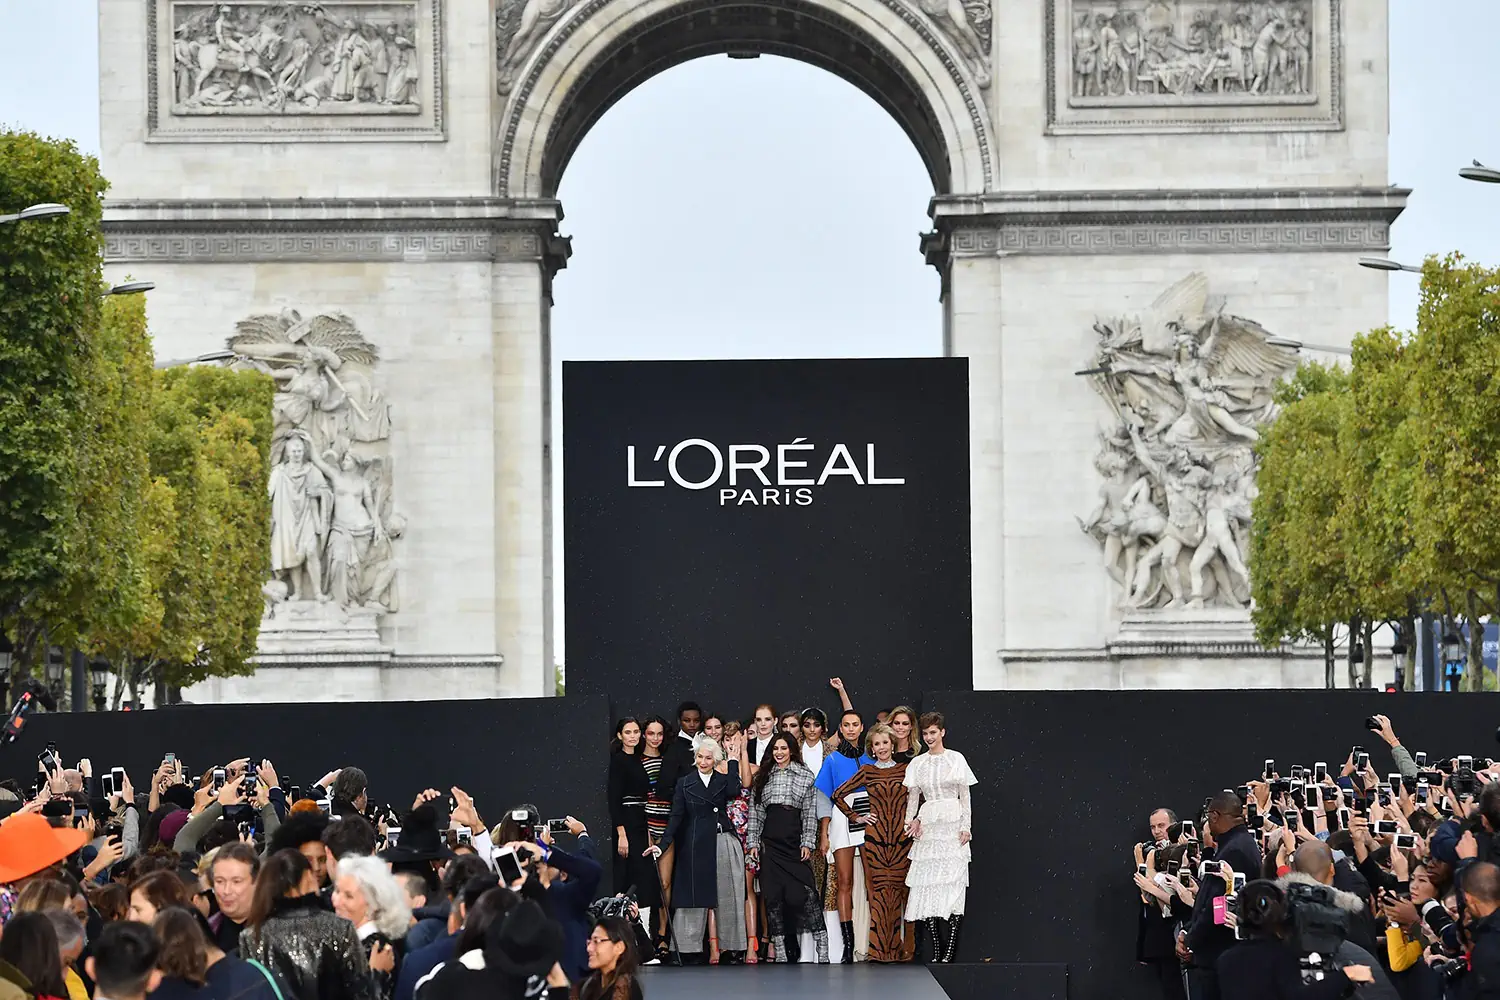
[(971, 329), (521, 303)]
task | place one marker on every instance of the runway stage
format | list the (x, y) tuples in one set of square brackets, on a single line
[(960, 981)]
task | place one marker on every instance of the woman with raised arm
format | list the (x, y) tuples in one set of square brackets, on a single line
[(841, 835), (886, 854), (938, 879), (783, 833), (629, 790)]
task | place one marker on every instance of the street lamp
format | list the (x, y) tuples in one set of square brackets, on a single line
[(99, 674), (1386, 264), (54, 671), (46, 210), (1297, 345), (1480, 172), (5, 660), (1399, 662), (131, 287), (1453, 655), (199, 360)]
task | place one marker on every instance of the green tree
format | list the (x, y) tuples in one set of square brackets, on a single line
[(1299, 577), (207, 521), (1455, 410), (51, 273)]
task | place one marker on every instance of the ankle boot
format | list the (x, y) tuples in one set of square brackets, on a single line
[(846, 930), (951, 949), (934, 938)]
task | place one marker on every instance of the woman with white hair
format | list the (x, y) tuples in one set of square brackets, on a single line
[(366, 894), (708, 875)]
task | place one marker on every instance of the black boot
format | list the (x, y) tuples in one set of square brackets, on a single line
[(951, 948), (934, 938), (846, 930)]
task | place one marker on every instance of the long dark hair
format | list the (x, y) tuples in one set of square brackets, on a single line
[(184, 949), (618, 743), (769, 762), (666, 733), (597, 987), (490, 907), (279, 877), (30, 944)]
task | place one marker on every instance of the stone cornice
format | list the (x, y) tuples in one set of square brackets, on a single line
[(1039, 223), (335, 230)]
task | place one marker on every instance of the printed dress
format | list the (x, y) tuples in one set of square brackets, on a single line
[(938, 879), (886, 853), (658, 800)]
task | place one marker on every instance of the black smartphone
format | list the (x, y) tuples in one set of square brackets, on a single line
[(1343, 816), (557, 826), (1140, 870), (1243, 791), (1372, 724), (107, 784), (507, 866), (294, 794), (1293, 821)]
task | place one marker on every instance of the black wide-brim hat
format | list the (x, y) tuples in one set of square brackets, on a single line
[(421, 840), (528, 943)]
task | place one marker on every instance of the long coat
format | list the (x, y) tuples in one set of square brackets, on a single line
[(699, 814)]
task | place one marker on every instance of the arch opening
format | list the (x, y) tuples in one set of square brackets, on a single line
[(793, 29)]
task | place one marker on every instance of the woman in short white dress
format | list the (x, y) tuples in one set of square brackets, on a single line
[(938, 880)]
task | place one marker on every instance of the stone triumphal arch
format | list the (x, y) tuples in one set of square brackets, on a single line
[(1137, 204)]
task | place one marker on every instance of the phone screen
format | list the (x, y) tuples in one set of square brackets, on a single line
[(557, 825), (507, 867)]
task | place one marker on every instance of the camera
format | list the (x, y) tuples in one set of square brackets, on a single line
[(1372, 724), (1464, 781), (613, 906)]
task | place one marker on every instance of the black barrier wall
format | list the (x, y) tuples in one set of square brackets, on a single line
[(549, 751), (746, 529), (1067, 780)]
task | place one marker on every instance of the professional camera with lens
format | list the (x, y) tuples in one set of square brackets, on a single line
[(613, 906), (1316, 927)]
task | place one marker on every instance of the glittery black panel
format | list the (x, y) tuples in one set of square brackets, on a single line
[(1068, 779), (548, 751), (677, 593)]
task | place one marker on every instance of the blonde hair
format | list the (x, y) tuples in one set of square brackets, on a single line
[(916, 729), (879, 729)]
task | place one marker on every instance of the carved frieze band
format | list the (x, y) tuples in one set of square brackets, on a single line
[(126, 246), (1207, 237)]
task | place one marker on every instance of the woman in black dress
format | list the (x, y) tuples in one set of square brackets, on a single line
[(783, 833), (629, 787)]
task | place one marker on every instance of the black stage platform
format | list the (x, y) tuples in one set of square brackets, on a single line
[(960, 981)]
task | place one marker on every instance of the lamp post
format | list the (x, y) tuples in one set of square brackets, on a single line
[(201, 359), (131, 288), (1480, 172), (46, 210), (99, 674), (5, 661), (1453, 658), (54, 672), (1356, 660), (1399, 662), (1386, 264)]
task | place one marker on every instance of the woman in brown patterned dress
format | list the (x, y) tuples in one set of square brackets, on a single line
[(887, 848)]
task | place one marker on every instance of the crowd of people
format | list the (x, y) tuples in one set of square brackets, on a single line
[(1328, 880), (738, 836), (234, 883)]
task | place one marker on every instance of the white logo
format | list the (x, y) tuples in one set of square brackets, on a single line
[(743, 475)]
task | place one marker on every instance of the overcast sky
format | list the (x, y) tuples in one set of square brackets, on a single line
[(765, 208)]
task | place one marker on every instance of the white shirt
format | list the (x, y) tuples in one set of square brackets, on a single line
[(812, 756), (761, 743), (705, 777)]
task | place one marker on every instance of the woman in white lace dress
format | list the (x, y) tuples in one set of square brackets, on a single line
[(938, 880)]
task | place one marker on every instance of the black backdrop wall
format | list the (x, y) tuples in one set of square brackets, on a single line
[(747, 588), (1067, 780)]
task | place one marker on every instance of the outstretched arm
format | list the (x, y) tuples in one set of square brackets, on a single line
[(837, 683)]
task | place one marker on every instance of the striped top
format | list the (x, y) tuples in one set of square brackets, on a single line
[(658, 808)]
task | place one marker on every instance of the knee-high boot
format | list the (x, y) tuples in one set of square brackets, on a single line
[(846, 931), (951, 948), (934, 938)]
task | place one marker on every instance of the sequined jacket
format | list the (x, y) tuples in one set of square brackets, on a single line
[(316, 952)]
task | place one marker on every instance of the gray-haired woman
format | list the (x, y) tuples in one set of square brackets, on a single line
[(366, 894), (710, 863)]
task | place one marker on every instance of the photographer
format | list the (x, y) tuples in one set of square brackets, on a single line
[(1206, 938), (1266, 965), (1480, 883)]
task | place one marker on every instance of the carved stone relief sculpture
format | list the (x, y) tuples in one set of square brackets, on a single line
[(519, 25), (967, 23), (1188, 386), (333, 524), (1239, 51), (257, 58)]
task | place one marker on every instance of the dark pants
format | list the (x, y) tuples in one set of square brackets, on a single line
[(1203, 984), (1168, 974)]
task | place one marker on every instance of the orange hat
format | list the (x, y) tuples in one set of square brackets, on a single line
[(28, 843)]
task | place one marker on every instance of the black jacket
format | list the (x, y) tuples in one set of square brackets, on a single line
[(699, 814), (315, 952), (1483, 979), (676, 761), (1206, 939), (1268, 970)]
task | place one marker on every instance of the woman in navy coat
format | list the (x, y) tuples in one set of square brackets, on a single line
[(709, 874)]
